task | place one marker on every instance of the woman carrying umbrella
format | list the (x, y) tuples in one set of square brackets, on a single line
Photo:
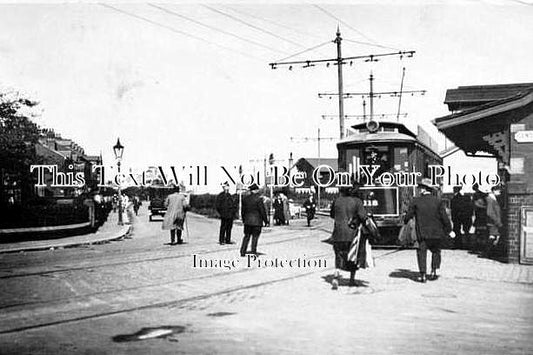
[(349, 214)]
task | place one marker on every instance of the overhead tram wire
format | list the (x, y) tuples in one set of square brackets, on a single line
[(251, 25), (171, 12), (370, 44), (339, 61), (344, 23), (244, 13), (269, 21), (175, 30), (304, 51)]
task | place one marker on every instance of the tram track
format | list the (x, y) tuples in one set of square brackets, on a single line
[(142, 260), (159, 284), (51, 273), (169, 303), (116, 295)]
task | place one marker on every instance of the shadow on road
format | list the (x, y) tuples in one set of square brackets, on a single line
[(405, 274), (345, 282)]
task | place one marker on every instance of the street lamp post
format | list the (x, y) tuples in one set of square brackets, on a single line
[(118, 149)]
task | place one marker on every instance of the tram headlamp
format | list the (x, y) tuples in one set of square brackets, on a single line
[(372, 126)]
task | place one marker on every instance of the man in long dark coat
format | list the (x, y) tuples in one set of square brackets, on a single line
[(226, 207), (310, 209), (494, 221), (254, 216), (432, 225), (462, 209), (479, 199)]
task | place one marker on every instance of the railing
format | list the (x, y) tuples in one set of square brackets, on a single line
[(42, 216)]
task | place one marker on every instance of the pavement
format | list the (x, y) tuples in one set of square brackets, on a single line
[(109, 231), (139, 295)]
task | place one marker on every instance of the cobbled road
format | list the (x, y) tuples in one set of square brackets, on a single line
[(141, 295)]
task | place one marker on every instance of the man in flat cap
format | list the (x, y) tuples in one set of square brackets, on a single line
[(432, 225), (254, 216), (226, 206)]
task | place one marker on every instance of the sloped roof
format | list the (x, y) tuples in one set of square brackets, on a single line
[(49, 154), (388, 131), (377, 137), (480, 94), (314, 162), (481, 111)]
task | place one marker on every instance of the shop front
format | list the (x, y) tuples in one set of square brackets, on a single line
[(501, 127)]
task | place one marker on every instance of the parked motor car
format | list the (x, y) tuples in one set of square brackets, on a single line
[(158, 195)]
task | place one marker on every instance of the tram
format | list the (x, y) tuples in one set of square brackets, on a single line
[(393, 148)]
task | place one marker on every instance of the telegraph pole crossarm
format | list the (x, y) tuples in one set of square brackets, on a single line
[(349, 95), (376, 115), (366, 58)]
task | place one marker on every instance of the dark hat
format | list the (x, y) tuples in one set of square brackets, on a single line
[(426, 183), (253, 187), (345, 190), (225, 183), (356, 185)]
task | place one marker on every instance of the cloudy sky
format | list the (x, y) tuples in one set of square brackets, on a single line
[(191, 83)]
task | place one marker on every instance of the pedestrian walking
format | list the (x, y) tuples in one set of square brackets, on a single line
[(286, 208), (115, 203), (462, 210), (177, 206), (479, 199), (226, 206), (136, 204), (494, 221), (432, 225), (310, 209), (254, 216), (348, 213), (279, 216)]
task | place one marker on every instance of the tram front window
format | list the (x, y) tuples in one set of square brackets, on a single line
[(377, 155), (401, 158)]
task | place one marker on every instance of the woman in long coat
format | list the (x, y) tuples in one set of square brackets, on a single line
[(349, 213), (286, 208), (279, 216), (177, 205)]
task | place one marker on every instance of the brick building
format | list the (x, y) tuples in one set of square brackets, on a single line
[(497, 120), (54, 150)]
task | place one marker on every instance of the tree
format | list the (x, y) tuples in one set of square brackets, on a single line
[(18, 136)]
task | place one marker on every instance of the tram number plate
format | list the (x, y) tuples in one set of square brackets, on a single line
[(381, 200), (370, 203)]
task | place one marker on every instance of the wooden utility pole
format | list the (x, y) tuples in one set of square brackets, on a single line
[(340, 61), (400, 96), (318, 138), (371, 97), (338, 40)]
